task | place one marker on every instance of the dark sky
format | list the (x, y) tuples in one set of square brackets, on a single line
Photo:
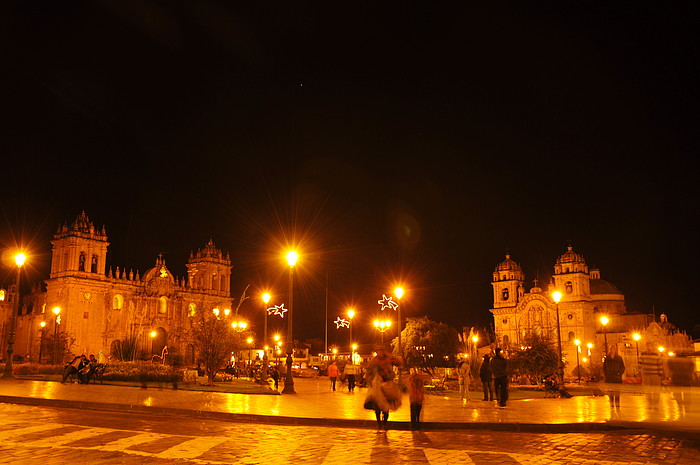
[(409, 142)]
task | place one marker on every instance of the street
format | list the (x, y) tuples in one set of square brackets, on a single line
[(39, 435)]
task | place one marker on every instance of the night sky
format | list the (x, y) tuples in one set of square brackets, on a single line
[(409, 142)]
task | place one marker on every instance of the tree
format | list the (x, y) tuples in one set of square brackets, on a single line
[(536, 358), (428, 344), (214, 340)]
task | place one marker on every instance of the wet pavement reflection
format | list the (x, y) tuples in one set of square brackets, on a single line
[(668, 407)]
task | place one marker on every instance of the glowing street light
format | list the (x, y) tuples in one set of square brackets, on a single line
[(556, 297), (577, 343), (292, 258), (637, 337), (41, 342), (382, 326), (239, 326), (398, 292), (20, 258), (56, 321), (351, 315), (604, 320)]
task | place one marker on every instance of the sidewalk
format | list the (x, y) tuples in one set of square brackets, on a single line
[(676, 409)]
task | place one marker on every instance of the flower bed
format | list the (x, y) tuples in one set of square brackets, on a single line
[(141, 371)]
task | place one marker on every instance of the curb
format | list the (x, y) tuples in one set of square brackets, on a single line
[(333, 422)]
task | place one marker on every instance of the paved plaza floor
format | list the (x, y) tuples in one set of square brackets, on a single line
[(314, 403)]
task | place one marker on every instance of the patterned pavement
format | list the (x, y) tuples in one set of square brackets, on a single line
[(43, 435)]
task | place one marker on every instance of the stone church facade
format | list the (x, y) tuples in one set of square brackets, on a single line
[(101, 310), (585, 299)]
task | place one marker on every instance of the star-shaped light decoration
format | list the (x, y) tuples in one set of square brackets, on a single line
[(387, 302), (277, 310), (341, 323)]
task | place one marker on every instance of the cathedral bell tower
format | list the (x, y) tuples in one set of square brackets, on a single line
[(571, 277), (209, 270), (79, 248), (508, 278)]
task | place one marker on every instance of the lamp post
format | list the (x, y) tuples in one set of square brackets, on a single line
[(292, 258), (604, 320), (577, 342), (398, 292), (637, 337), (56, 321), (353, 349), (556, 296), (266, 299), (382, 326), (351, 314), (250, 361), (19, 260), (41, 340)]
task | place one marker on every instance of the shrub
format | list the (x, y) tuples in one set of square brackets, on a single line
[(141, 371), (37, 369)]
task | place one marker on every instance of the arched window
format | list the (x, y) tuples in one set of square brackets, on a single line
[(505, 294), (93, 264), (117, 302), (572, 336), (162, 304), (569, 287), (81, 262)]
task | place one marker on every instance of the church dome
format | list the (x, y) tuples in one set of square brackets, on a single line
[(508, 265), (600, 286), (570, 257)]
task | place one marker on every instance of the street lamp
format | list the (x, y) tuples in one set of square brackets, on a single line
[(292, 258), (57, 321), (382, 326), (351, 314), (604, 320), (577, 343), (41, 341), (19, 261), (250, 345), (352, 354), (637, 337), (556, 296), (398, 292), (266, 299)]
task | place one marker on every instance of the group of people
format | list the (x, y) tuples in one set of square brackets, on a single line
[(82, 368), (493, 373), (349, 372)]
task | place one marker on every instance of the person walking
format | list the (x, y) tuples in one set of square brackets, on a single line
[(416, 395), (350, 371), (613, 368), (333, 374), (486, 376), (652, 373), (383, 394), (463, 377), (499, 366)]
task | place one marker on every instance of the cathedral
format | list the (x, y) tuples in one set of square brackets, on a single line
[(585, 298), (102, 311)]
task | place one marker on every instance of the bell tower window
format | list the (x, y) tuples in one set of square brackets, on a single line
[(93, 264), (505, 294), (569, 287), (81, 262)]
